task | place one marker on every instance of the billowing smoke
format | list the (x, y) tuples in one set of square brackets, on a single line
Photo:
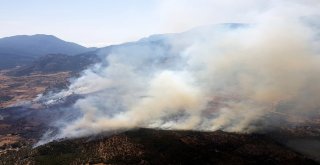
[(229, 77)]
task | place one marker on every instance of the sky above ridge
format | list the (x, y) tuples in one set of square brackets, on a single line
[(105, 22)]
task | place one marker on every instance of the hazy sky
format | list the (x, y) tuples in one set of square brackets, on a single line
[(105, 22)]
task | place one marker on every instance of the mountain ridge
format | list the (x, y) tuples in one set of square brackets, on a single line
[(23, 49)]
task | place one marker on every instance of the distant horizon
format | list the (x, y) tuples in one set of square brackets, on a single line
[(105, 45), (102, 44), (98, 23), (87, 46)]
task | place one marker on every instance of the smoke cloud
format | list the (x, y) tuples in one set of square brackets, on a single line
[(224, 77)]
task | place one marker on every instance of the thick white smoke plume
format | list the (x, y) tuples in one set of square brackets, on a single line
[(229, 77)]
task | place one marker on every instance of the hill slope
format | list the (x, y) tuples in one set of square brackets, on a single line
[(147, 146), (22, 49), (53, 63)]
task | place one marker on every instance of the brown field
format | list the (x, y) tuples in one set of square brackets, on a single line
[(8, 139), (16, 90)]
